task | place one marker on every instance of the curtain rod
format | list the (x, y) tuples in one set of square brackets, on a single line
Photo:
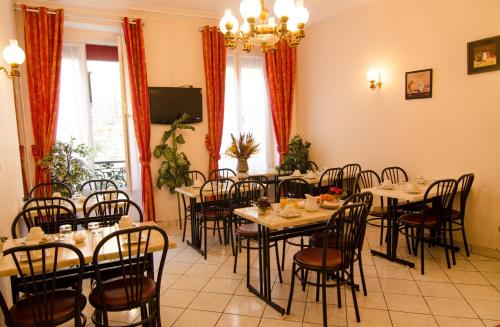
[(100, 19)]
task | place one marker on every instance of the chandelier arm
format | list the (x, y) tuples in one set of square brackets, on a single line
[(6, 72)]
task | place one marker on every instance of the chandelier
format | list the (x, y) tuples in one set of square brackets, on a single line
[(261, 30)]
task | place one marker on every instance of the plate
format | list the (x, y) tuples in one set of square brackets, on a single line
[(387, 187), (412, 192), (288, 215), (330, 205), (133, 240)]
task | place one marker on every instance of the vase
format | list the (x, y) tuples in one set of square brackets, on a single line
[(242, 165)]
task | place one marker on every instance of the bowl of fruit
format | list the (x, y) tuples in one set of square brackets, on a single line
[(263, 205)]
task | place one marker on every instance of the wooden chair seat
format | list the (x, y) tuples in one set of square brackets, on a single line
[(312, 258), (415, 219), (63, 302), (247, 230), (380, 212), (115, 293), (316, 240)]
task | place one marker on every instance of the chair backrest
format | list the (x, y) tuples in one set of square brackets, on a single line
[(45, 190), (100, 196), (394, 174), (215, 197), (134, 262), (330, 177), (37, 267), (95, 185), (363, 197), (367, 179), (49, 218), (349, 174), (245, 192), (196, 175), (44, 202), (109, 212), (348, 224), (221, 173), (311, 165), (295, 188), (464, 184), (443, 199), (285, 169), (258, 178)]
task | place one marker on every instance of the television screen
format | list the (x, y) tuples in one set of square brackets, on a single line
[(169, 103)]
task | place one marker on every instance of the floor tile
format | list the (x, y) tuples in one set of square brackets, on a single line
[(177, 267), (374, 300), (447, 290), (282, 291), (405, 319), (479, 292), (190, 283), (394, 273), (493, 278), (467, 277), (266, 322), (399, 286), (486, 309), (177, 298), (210, 302), (487, 266), (246, 305), (169, 315), (491, 323), (430, 275), (458, 322), (202, 270), (450, 307), (314, 314), (368, 318), (190, 318), (229, 320), (222, 285), (296, 311), (406, 303)]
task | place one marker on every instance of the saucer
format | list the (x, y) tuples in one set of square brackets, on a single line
[(285, 214)]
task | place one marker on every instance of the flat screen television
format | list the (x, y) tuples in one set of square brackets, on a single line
[(169, 103)]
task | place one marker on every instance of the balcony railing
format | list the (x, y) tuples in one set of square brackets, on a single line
[(113, 170)]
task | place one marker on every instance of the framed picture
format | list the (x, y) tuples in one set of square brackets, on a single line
[(482, 55), (418, 84)]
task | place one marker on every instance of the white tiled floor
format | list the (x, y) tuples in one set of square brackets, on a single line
[(207, 293), (199, 293)]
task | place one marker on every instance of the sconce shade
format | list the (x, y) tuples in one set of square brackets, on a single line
[(250, 9), (13, 54), (284, 8), (228, 18), (372, 75), (301, 14)]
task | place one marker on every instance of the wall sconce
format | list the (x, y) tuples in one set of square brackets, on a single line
[(15, 57), (374, 77)]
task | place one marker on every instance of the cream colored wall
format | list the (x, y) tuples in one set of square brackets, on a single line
[(453, 133), (10, 168)]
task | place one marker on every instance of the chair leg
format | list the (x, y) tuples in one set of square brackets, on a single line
[(318, 275), (248, 262), (184, 229), (362, 274), (450, 229), (407, 239), (464, 238), (354, 299), (305, 278), (381, 230), (205, 240), (323, 289), (422, 250), (339, 295), (235, 253), (445, 245), (278, 261), (283, 254), (290, 297)]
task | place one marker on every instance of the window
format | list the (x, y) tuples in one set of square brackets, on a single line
[(247, 109), (90, 108)]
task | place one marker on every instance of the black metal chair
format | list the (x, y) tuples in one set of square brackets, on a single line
[(316, 240), (258, 178), (349, 175), (45, 190), (369, 179), (244, 194), (330, 177), (347, 224), (49, 218), (109, 212), (100, 196), (44, 202), (216, 208), (311, 165), (135, 286), (432, 219), (193, 175), (221, 173), (457, 220), (46, 302), (394, 174), (294, 188), (285, 169), (96, 185)]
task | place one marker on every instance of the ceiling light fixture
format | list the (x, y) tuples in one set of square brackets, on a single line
[(261, 30)]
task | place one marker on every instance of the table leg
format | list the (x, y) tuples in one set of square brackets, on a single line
[(392, 236), (195, 242)]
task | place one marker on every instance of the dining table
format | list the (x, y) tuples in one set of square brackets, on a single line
[(67, 259), (273, 227), (398, 194)]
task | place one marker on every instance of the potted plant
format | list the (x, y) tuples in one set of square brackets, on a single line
[(68, 163), (298, 154), (242, 149)]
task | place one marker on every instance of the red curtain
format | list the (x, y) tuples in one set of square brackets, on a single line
[(134, 40), (214, 55), (280, 68), (43, 33)]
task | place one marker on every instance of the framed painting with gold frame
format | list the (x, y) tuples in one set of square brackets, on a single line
[(418, 84), (482, 55)]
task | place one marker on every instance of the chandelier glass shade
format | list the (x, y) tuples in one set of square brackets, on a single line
[(259, 29)]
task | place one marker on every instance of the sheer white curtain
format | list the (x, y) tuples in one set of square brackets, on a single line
[(247, 109), (74, 102)]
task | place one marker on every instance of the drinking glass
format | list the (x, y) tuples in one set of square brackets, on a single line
[(94, 228), (283, 202), (65, 232)]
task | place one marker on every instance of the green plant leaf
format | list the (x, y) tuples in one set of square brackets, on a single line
[(166, 136), (180, 139)]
